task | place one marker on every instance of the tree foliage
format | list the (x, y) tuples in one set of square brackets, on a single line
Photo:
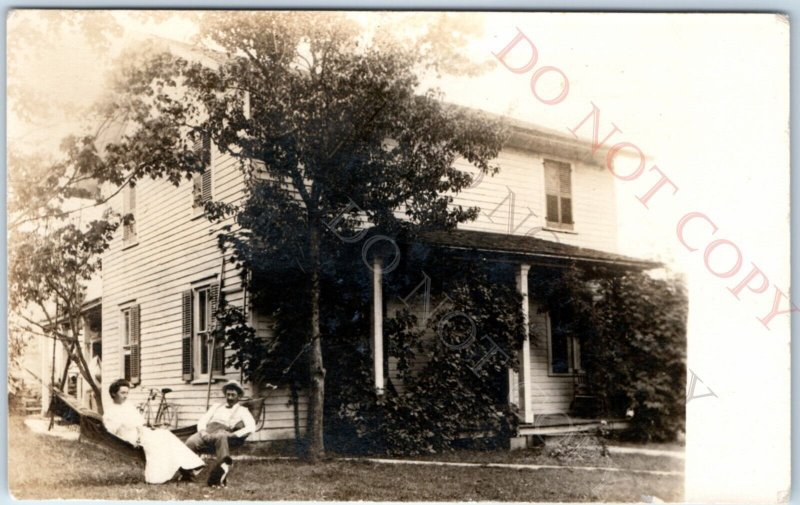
[(48, 272), (319, 117), (632, 329)]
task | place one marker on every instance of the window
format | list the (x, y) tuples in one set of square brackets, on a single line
[(129, 232), (201, 183), (130, 329), (199, 305), (558, 194), (563, 347)]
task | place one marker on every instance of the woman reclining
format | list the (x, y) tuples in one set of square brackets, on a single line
[(165, 454)]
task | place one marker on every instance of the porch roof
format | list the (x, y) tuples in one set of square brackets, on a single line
[(531, 248)]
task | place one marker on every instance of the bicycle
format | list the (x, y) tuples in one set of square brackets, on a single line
[(166, 414)]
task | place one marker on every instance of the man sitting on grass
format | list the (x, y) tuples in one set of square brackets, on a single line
[(223, 425)]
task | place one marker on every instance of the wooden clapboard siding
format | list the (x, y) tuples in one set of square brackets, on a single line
[(551, 394), (522, 173), (175, 249)]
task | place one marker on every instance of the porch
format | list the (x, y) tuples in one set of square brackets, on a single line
[(549, 391)]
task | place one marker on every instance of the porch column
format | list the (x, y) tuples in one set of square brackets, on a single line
[(377, 325), (527, 383)]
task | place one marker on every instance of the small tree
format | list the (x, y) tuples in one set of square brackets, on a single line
[(48, 273)]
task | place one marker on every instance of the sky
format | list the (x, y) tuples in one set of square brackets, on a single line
[(706, 98)]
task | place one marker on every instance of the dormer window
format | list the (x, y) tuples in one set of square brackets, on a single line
[(558, 194)]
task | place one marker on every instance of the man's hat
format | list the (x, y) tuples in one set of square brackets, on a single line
[(232, 384)]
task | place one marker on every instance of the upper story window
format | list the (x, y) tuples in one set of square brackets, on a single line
[(558, 193), (130, 234), (201, 183)]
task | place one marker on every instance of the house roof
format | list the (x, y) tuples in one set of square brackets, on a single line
[(520, 134), (540, 139), (531, 248)]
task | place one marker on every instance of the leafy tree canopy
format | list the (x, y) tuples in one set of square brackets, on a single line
[(319, 116)]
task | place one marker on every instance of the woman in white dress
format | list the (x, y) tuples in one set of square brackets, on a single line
[(165, 454)]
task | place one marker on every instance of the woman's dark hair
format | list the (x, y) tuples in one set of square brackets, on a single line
[(113, 389)]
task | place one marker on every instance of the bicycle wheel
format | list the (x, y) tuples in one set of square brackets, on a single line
[(168, 418)]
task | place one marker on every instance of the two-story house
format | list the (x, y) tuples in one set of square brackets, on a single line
[(550, 203)]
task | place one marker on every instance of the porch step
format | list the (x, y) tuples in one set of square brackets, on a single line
[(31, 405), (559, 425)]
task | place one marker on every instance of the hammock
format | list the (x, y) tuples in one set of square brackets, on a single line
[(93, 430)]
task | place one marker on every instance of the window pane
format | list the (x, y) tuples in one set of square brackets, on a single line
[(126, 330), (197, 190), (559, 347), (202, 299), (560, 354), (566, 210), (552, 208), (127, 367), (550, 178), (203, 353)]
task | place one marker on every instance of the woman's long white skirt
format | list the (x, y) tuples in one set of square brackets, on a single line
[(165, 454)]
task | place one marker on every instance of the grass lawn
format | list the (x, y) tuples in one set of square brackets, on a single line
[(43, 467)]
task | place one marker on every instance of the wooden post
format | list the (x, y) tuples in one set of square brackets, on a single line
[(377, 325), (527, 382)]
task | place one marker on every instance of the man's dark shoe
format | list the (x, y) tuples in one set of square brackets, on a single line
[(186, 475)]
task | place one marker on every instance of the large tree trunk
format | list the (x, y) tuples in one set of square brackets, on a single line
[(316, 395)]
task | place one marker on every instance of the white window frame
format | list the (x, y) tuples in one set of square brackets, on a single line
[(125, 327), (197, 334), (559, 225)]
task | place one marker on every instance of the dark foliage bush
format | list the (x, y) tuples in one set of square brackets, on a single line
[(632, 329)]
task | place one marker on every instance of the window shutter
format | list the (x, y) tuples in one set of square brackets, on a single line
[(564, 180), (206, 185), (202, 148), (135, 363), (186, 334), (213, 296), (218, 356), (202, 182)]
